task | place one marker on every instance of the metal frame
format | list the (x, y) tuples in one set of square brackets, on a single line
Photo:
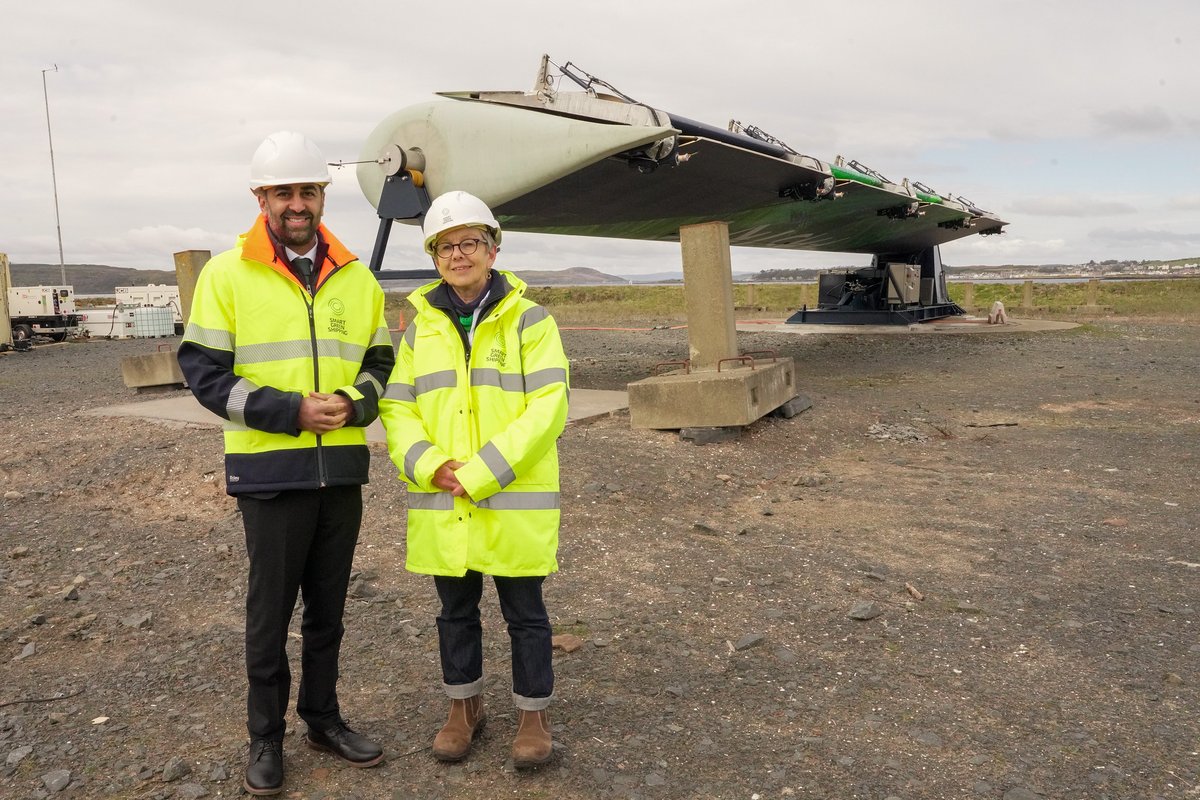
[(402, 198)]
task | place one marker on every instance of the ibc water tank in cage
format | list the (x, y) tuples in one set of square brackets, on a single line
[(149, 322)]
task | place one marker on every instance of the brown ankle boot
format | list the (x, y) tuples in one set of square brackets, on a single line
[(453, 741), (532, 745)]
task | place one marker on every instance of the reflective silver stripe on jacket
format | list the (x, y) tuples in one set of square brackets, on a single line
[(410, 335), (496, 462), (506, 381), (443, 379), (371, 379), (381, 338), (532, 317), (209, 337), (544, 377), (267, 352), (400, 391), (521, 501), (411, 457), (430, 501), (235, 405)]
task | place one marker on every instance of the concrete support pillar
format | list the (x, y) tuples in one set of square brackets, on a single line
[(1027, 296), (751, 295), (708, 293), (968, 296), (5, 283), (705, 396), (1093, 291), (187, 269)]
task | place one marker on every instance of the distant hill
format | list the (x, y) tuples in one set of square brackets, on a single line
[(88, 278), (574, 276), (101, 279)]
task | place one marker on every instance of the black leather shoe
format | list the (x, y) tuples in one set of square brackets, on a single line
[(264, 767), (353, 748)]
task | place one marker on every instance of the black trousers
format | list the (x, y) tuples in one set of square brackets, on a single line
[(460, 637), (297, 541)]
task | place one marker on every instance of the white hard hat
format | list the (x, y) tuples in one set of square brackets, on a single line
[(287, 157), (453, 210)]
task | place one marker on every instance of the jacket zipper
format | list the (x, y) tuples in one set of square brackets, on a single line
[(322, 477)]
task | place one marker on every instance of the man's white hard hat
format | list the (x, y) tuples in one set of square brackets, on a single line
[(453, 210), (287, 157)]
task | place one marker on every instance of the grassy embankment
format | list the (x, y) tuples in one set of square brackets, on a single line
[(1176, 300)]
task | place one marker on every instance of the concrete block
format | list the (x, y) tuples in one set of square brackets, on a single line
[(151, 369), (711, 399)]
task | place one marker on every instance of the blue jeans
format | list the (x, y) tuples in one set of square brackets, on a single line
[(460, 637)]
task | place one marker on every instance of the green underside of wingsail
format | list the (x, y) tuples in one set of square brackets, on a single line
[(743, 189)]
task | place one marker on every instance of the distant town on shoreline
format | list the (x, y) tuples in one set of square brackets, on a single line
[(103, 279)]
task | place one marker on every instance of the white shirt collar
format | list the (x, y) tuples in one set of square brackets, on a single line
[(311, 255)]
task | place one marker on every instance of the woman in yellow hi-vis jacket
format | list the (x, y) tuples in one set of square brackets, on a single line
[(473, 410)]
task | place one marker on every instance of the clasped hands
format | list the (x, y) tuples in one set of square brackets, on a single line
[(445, 479), (322, 413)]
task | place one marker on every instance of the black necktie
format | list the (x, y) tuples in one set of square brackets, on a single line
[(304, 267)]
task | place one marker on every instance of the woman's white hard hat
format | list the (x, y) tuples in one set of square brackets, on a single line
[(287, 157), (454, 210)]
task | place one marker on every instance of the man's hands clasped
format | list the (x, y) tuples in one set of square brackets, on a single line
[(322, 413)]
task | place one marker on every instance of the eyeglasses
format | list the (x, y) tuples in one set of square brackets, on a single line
[(467, 247)]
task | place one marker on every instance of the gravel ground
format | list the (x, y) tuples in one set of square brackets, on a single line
[(969, 571)]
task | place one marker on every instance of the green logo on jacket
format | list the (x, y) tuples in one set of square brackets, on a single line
[(337, 308), (499, 353)]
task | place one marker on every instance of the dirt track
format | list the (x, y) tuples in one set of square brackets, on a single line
[(1016, 515)]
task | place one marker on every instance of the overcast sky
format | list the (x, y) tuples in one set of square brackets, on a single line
[(1077, 122)]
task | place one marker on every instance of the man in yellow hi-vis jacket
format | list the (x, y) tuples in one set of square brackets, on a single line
[(287, 341), (473, 411)]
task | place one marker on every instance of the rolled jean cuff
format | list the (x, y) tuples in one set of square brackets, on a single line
[(532, 703), (463, 691)]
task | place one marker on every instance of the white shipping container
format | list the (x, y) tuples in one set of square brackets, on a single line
[(127, 323), (107, 322)]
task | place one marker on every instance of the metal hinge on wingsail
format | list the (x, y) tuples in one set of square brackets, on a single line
[(645, 159), (807, 190)]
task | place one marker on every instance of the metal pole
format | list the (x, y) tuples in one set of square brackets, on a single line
[(62, 268)]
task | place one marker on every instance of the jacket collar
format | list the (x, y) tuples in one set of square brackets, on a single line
[(497, 289), (259, 245), (504, 285)]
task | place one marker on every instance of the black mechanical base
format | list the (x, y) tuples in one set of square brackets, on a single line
[(855, 316), (897, 289)]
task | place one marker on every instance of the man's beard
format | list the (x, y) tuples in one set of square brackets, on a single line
[(295, 237)]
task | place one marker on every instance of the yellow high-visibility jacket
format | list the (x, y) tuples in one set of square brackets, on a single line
[(257, 341), (499, 404)]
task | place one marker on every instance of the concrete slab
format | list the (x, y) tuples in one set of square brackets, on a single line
[(151, 370), (586, 404), (943, 326), (711, 398)]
